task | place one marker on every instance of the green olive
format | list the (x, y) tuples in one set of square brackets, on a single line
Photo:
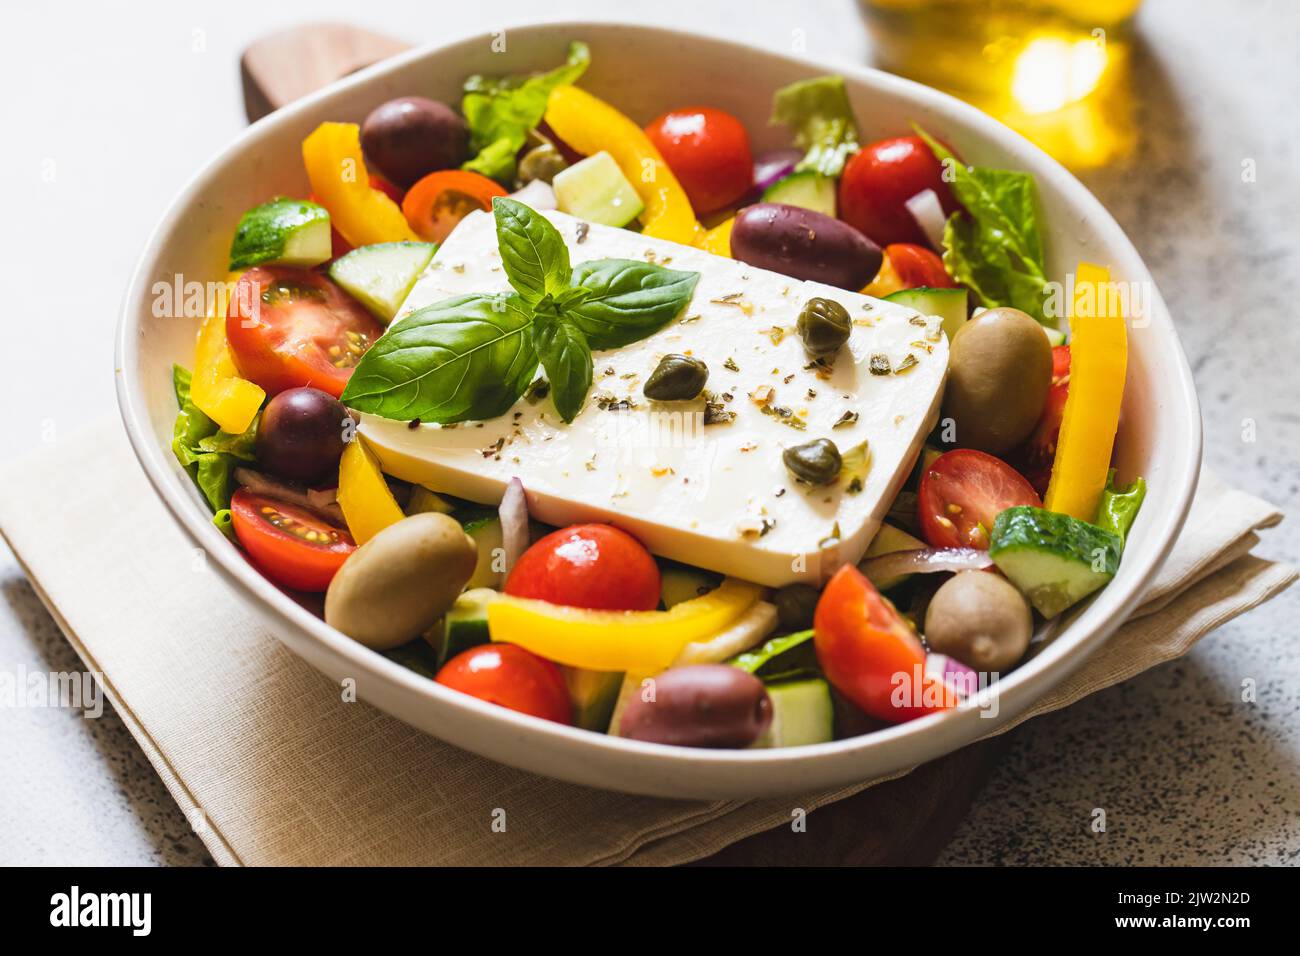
[(395, 586), (677, 378), (980, 619), (795, 604), (823, 325), (541, 162), (817, 462), (999, 371)]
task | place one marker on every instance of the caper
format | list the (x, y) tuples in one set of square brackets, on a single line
[(541, 162), (817, 462), (795, 604), (677, 378), (823, 325)]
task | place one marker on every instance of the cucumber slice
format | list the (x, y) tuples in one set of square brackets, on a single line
[(594, 694), (948, 304), (680, 582), (1055, 337), (595, 189), (291, 232), (465, 625), (1056, 560), (802, 713), (807, 190), (381, 276), (488, 571)]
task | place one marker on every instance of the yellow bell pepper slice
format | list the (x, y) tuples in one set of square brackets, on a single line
[(216, 388), (886, 282), (368, 506), (718, 239), (634, 641), (337, 170), (1098, 362), (590, 125)]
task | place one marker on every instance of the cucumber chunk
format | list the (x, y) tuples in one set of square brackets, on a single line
[(1054, 559), (595, 189), (807, 190), (290, 232), (486, 533), (465, 625), (681, 582), (381, 276), (593, 694), (948, 304), (802, 713), (422, 500)]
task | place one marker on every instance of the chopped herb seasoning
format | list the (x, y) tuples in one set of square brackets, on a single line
[(848, 418), (917, 320), (537, 391), (730, 365), (784, 416), (413, 424), (583, 229), (906, 364), (879, 364), (716, 414)]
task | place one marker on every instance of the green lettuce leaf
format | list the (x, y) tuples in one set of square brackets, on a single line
[(818, 111), (996, 247), (204, 450), (501, 110), (1119, 506)]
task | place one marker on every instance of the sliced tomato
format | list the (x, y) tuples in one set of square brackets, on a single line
[(1036, 455), (290, 327), (509, 676), (291, 546), (708, 151), (918, 267), (869, 654), (963, 492), (435, 204), (878, 181)]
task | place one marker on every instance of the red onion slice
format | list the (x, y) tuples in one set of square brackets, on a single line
[(773, 166), (514, 522), (928, 213), (889, 567), (323, 503), (961, 679)]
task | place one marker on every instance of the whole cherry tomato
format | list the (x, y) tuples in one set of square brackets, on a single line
[(708, 152), (878, 181), (963, 492), (918, 267), (512, 677), (588, 565), (1035, 457)]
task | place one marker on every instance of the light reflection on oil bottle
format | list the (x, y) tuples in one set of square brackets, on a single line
[(1055, 70)]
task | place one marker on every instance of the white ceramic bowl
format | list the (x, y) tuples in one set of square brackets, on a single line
[(644, 72)]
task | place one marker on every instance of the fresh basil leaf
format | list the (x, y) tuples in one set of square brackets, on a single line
[(566, 357), (818, 111), (463, 359), (533, 253), (501, 110), (628, 300), (780, 658), (995, 247)]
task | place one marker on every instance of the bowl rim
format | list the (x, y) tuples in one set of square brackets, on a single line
[(903, 745)]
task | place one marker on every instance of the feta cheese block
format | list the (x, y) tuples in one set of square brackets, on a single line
[(703, 481)]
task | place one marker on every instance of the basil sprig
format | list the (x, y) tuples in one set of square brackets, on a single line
[(471, 357)]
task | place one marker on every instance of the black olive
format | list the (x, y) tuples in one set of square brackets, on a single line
[(817, 462), (677, 378), (795, 604), (824, 326)]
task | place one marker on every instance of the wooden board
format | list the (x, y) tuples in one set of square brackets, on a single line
[(904, 822)]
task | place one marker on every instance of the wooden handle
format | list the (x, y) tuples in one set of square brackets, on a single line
[(280, 68)]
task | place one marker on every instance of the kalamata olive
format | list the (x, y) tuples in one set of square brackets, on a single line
[(795, 604), (804, 244), (999, 371), (817, 462), (980, 619), (541, 162), (677, 378), (704, 705), (823, 325), (301, 435), (410, 137), (395, 586)]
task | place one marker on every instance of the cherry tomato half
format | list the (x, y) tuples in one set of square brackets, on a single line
[(708, 152), (289, 544), (961, 494), (290, 327), (1036, 456), (869, 654), (917, 267), (509, 676), (436, 203), (878, 181), (588, 565)]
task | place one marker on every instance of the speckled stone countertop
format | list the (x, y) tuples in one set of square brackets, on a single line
[(1186, 771)]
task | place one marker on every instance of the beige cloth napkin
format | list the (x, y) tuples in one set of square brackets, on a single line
[(273, 768)]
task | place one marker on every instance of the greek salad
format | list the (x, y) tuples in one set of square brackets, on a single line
[(631, 429)]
